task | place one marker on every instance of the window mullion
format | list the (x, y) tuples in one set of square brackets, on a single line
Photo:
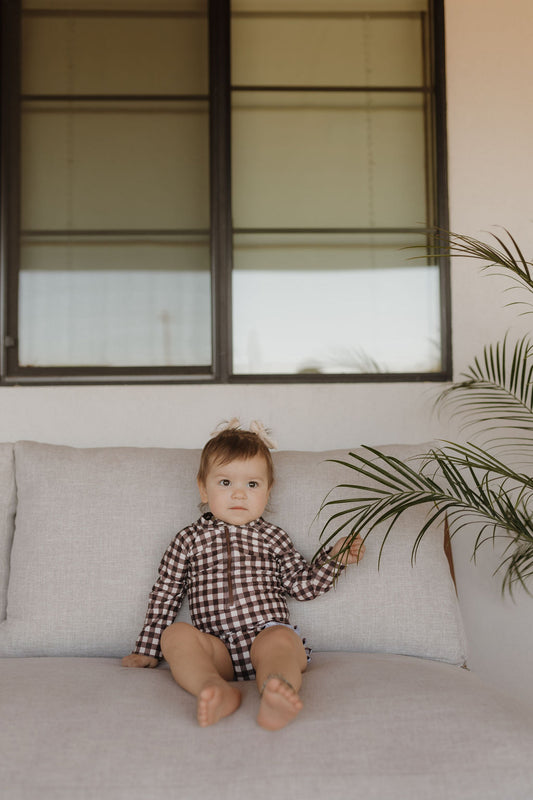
[(10, 214), (220, 170), (441, 221)]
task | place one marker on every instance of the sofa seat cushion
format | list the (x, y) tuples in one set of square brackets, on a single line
[(92, 525), (374, 726)]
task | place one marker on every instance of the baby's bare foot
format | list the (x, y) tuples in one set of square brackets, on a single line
[(279, 704), (215, 701)]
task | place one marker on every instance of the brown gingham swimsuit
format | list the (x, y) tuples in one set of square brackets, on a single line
[(236, 579)]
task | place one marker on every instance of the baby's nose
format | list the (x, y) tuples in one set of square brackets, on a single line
[(238, 491)]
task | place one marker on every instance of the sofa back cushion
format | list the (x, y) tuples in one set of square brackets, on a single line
[(396, 608), (7, 518), (92, 525)]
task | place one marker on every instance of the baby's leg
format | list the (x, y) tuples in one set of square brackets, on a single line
[(279, 658), (201, 664)]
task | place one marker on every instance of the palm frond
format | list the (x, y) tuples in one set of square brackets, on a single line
[(470, 456), (467, 483), (495, 399), (462, 483), (506, 260)]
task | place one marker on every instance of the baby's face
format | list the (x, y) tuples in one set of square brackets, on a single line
[(237, 492)]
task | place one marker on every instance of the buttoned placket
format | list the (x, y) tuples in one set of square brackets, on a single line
[(229, 565)]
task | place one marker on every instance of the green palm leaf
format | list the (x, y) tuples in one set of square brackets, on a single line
[(467, 483), (461, 483), (495, 399), (506, 260)]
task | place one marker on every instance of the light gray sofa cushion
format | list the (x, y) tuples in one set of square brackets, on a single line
[(373, 727), (7, 516), (396, 609), (92, 525)]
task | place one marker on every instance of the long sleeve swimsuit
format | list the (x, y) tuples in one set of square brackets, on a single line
[(236, 579)]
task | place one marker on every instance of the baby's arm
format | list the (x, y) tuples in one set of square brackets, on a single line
[(305, 581), (351, 556), (163, 606)]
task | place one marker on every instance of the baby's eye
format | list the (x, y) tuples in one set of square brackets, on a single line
[(253, 484), (225, 482)]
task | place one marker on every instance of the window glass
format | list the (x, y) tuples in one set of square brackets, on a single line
[(332, 178), (113, 304), (319, 50), (128, 165), (106, 54), (115, 258), (334, 304), (328, 159)]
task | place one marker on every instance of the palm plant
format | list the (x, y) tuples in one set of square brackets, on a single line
[(462, 483)]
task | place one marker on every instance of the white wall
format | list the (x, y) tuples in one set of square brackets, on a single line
[(304, 417), (490, 119)]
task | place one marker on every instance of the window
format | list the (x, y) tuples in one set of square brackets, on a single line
[(220, 191)]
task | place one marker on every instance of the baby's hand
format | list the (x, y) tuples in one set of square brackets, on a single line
[(138, 660), (351, 556)]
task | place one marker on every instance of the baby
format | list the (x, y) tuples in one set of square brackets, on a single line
[(236, 570)]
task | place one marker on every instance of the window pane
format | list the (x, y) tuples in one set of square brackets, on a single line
[(115, 304), (122, 5), (115, 259), (72, 54), (334, 304), (313, 50), (120, 165), (320, 6), (328, 159)]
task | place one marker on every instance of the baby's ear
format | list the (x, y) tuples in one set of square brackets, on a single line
[(202, 490)]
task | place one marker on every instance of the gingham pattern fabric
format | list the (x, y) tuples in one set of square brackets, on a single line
[(236, 579)]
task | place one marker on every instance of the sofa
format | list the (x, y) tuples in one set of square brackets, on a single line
[(390, 708)]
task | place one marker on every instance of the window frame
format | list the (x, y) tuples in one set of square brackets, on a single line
[(221, 230)]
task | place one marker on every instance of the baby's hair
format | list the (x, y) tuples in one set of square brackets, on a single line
[(231, 443)]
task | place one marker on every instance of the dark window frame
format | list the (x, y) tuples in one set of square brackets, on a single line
[(221, 234)]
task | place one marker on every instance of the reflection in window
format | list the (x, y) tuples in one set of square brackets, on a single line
[(333, 304)]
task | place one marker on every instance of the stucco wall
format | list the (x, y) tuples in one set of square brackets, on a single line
[(490, 119)]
